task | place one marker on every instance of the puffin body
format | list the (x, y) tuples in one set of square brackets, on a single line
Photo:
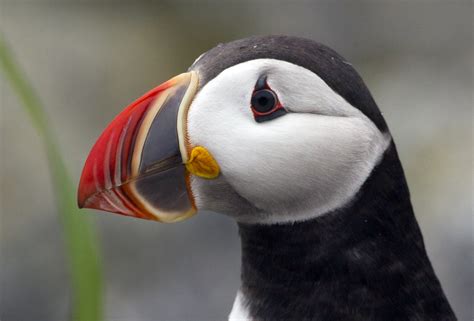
[(281, 134)]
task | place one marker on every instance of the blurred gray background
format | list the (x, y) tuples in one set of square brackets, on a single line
[(87, 60)]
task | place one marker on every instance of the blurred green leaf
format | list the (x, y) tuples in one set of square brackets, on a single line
[(79, 232)]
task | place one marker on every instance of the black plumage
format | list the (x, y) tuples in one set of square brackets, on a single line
[(323, 61), (365, 261)]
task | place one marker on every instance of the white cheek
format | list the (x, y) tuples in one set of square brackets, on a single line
[(298, 166), (298, 163), (309, 93)]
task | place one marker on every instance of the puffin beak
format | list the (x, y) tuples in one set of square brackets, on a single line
[(139, 165)]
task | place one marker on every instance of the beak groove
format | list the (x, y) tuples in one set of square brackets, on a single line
[(136, 167)]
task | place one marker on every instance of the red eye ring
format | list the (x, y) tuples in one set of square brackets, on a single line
[(265, 104)]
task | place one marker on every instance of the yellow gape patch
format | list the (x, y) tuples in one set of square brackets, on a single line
[(202, 164)]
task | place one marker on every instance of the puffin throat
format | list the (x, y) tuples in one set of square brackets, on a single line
[(366, 261)]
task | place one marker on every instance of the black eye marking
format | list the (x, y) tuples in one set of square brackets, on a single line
[(261, 83), (265, 104)]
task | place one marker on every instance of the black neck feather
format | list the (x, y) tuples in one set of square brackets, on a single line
[(366, 261)]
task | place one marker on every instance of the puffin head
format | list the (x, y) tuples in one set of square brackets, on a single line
[(266, 129)]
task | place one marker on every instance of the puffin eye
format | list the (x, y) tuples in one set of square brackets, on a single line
[(264, 103)]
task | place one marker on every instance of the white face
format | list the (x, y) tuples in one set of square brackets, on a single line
[(303, 164)]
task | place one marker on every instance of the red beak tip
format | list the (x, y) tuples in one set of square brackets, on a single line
[(80, 200)]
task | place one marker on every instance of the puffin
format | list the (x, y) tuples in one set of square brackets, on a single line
[(281, 134)]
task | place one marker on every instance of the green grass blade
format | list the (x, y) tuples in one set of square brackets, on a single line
[(79, 232)]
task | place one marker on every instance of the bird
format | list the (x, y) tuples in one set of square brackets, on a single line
[(281, 134)]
